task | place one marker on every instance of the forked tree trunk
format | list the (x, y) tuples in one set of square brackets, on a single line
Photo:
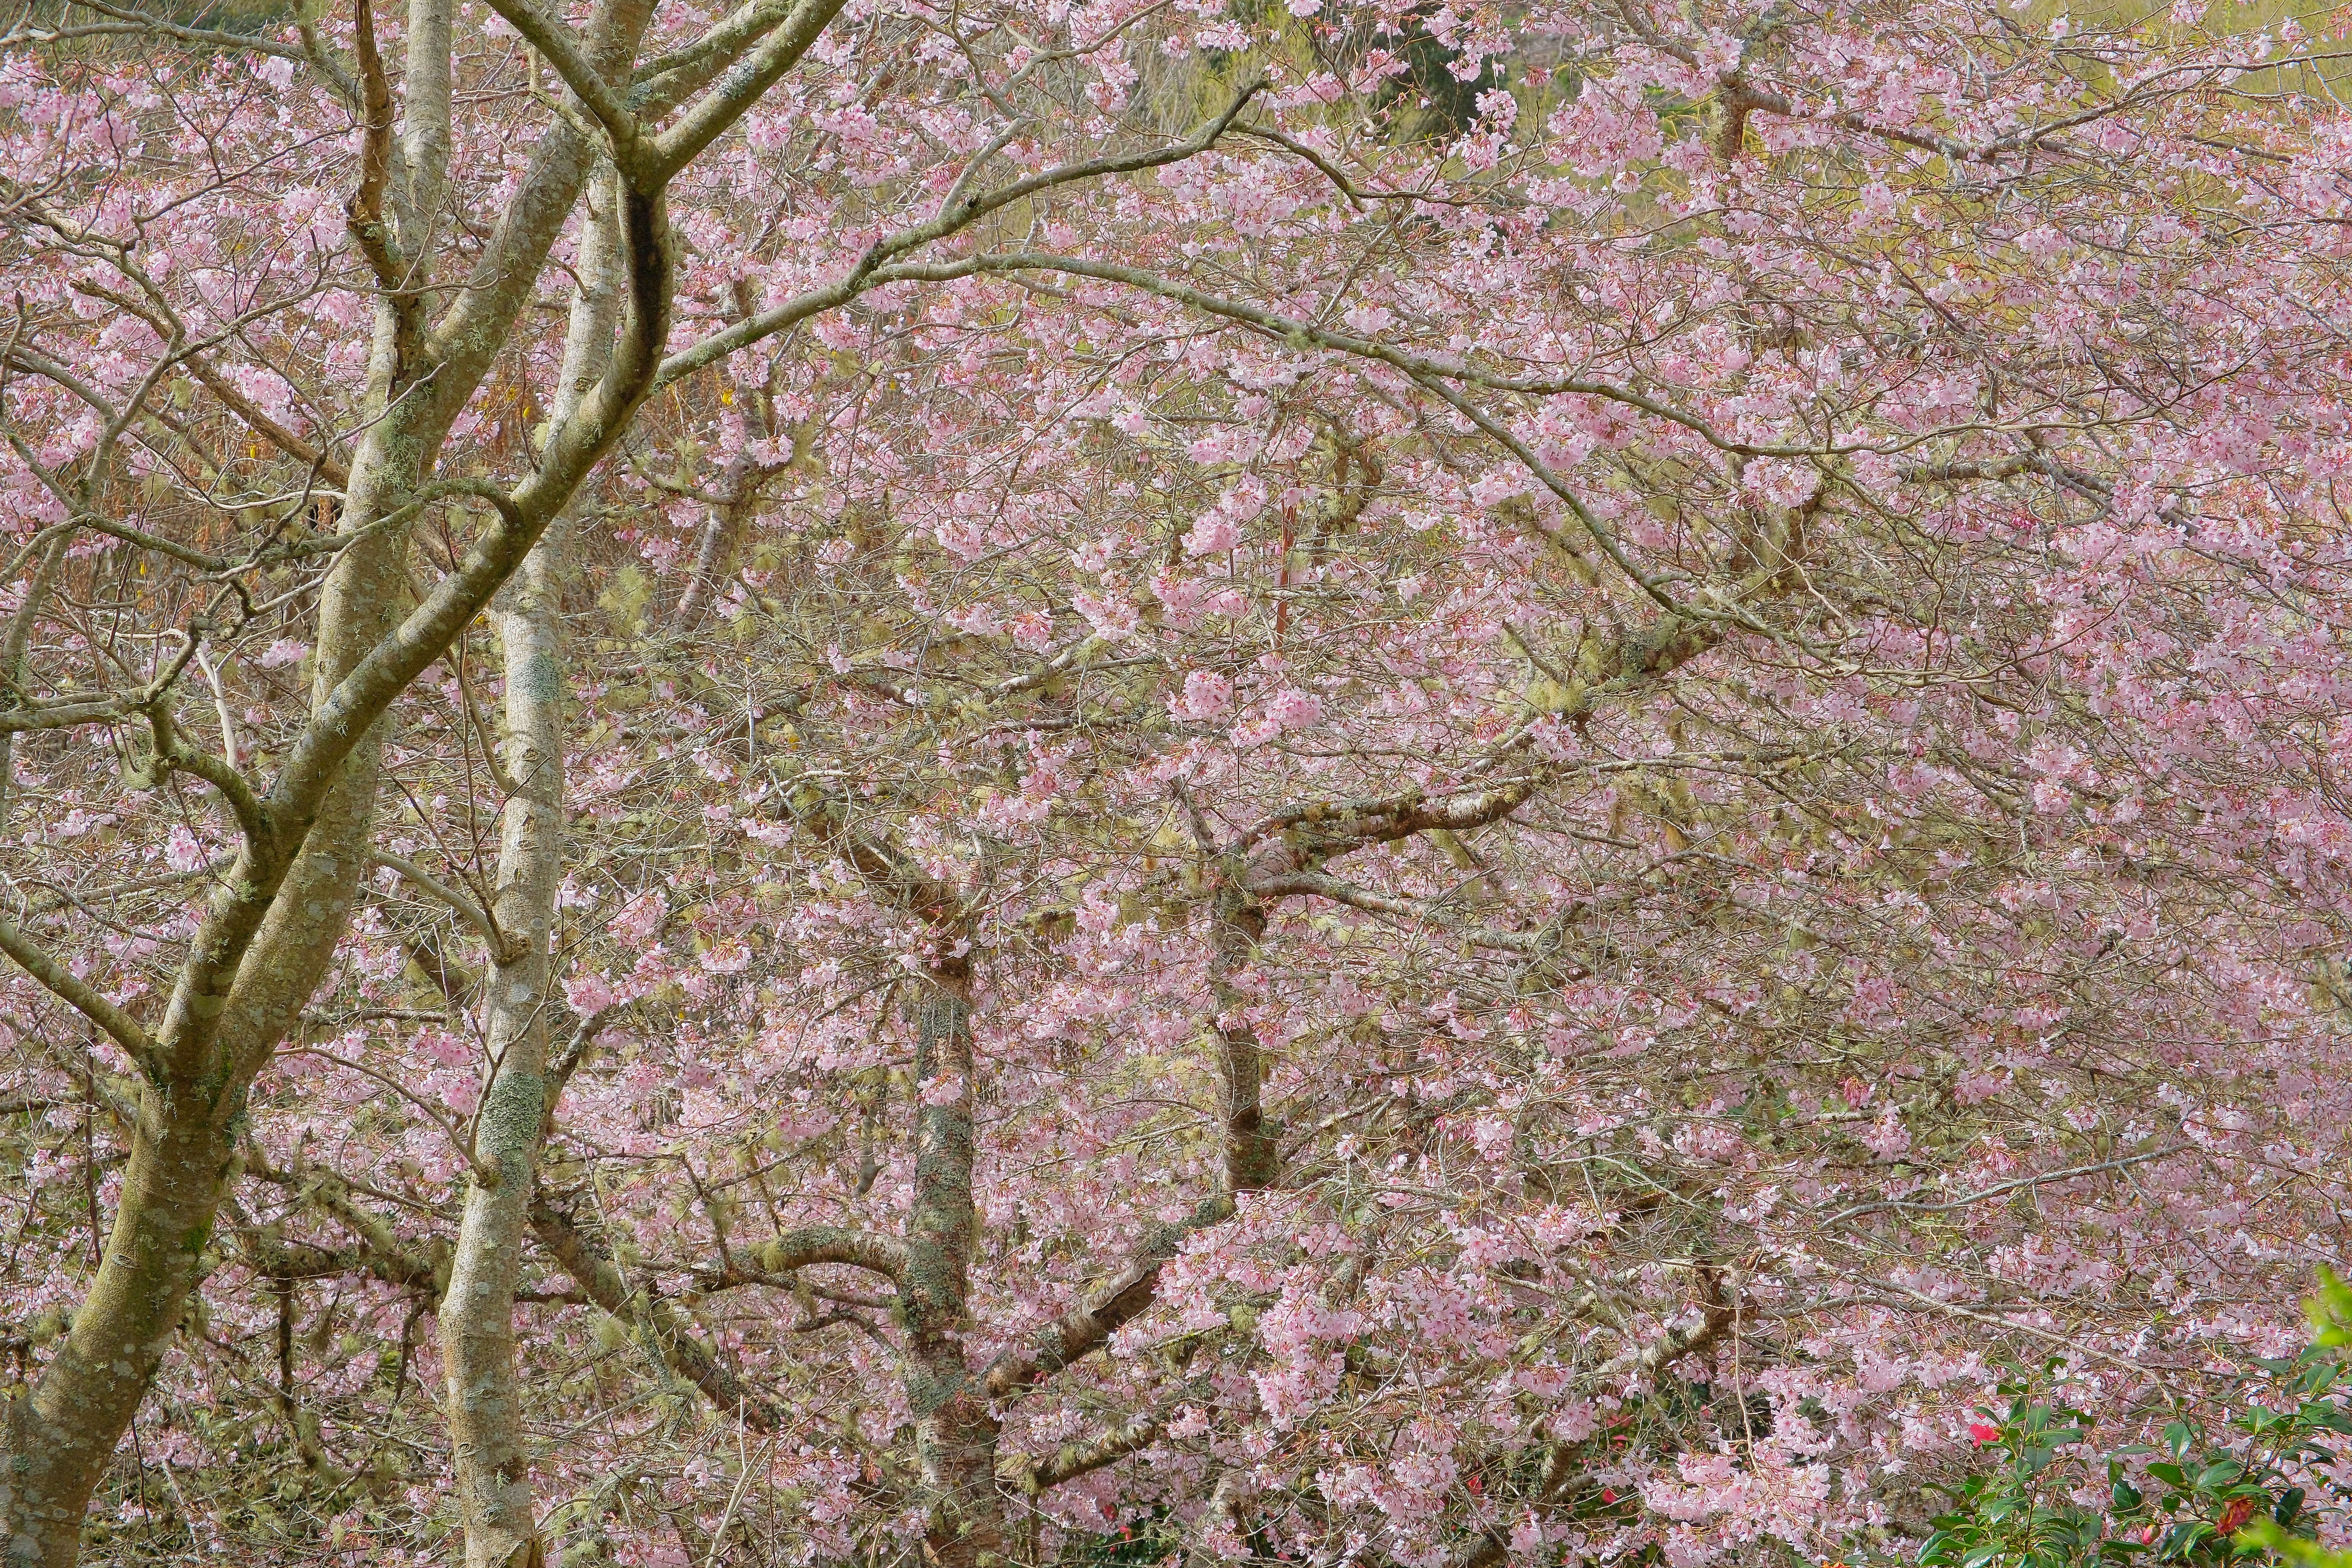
[(56, 1441), (267, 943)]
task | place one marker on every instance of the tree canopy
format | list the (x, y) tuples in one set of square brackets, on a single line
[(869, 781)]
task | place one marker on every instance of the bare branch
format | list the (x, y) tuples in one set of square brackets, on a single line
[(873, 269), (34, 961), (381, 1252), (141, 22), (1306, 334), (1551, 479), (428, 1108), (364, 210), (1563, 1477), (554, 43), (1085, 1329), (668, 1332), (738, 90), (1329, 825), (109, 710), (1420, 911), (1036, 1474), (1999, 1189), (174, 751), (474, 913)]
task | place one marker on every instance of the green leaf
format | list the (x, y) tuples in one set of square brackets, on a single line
[(2182, 1538), (2330, 1311)]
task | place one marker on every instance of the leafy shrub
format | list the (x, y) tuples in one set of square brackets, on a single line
[(2205, 1498)]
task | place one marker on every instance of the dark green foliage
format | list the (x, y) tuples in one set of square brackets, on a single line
[(1153, 1539), (2192, 1502), (1429, 97)]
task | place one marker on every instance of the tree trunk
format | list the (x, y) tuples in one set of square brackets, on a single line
[(1236, 921), (477, 1320), (722, 525), (490, 1450), (955, 1435), (59, 1439), (276, 919)]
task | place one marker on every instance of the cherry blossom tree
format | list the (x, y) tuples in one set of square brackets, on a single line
[(1320, 783)]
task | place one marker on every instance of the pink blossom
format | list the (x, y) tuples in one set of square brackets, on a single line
[(1206, 695), (1213, 535), (1294, 709)]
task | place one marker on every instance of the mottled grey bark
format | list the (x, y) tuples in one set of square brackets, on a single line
[(955, 1435), (488, 1442), (490, 1446), (1236, 922), (274, 919)]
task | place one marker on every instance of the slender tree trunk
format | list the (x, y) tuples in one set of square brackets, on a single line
[(722, 525), (955, 1435), (488, 1439), (60, 1438), (58, 1441), (1252, 1161), (12, 654), (476, 1320)]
